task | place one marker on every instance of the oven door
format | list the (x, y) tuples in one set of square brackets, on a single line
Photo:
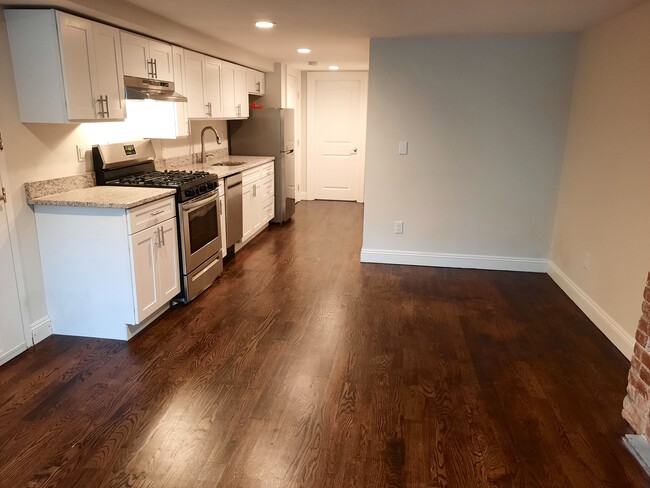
[(200, 230)]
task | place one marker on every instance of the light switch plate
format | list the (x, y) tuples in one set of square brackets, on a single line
[(81, 153), (403, 147)]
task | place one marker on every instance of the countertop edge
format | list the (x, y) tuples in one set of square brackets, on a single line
[(54, 200)]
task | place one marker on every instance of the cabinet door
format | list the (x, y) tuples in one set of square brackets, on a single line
[(169, 284), (143, 255), (135, 55), (241, 92), (249, 211), (110, 77), (255, 82), (260, 82), (228, 90), (194, 79), (250, 82), (212, 87), (178, 59), (79, 70), (258, 213), (161, 55), (222, 220)]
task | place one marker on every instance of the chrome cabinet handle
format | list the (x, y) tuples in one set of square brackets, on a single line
[(157, 238), (259, 86), (157, 212), (103, 113), (162, 234), (150, 68), (255, 190), (108, 111), (155, 68), (209, 105), (239, 110)]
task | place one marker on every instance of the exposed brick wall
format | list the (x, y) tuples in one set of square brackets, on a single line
[(636, 406)]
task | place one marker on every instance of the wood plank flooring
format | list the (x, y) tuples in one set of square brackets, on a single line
[(302, 367)]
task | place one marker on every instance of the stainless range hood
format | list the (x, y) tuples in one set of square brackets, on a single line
[(147, 89)]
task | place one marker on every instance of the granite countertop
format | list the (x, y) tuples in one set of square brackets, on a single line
[(80, 190), (213, 167), (105, 197)]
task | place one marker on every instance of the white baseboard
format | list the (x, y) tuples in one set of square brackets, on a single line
[(41, 329), (9, 355), (301, 195), (500, 263), (612, 329)]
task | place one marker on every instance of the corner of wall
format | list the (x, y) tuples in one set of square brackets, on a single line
[(605, 322)]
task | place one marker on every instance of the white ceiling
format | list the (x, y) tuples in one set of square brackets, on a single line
[(338, 31)]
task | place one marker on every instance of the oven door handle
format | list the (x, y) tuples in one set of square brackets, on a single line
[(199, 203)]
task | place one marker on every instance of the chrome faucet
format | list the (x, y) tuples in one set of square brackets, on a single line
[(203, 140)]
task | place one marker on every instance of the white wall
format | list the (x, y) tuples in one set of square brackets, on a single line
[(485, 119), (602, 216), (42, 151)]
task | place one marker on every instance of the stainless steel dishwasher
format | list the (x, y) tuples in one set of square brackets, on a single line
[(234, 223)]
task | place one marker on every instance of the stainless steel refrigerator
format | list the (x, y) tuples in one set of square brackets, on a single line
[(269, 132)]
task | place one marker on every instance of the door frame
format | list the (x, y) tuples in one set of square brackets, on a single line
[(15, 249), (297, 110), (312, 77)]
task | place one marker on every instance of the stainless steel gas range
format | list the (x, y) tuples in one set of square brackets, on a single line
[(197, 198)]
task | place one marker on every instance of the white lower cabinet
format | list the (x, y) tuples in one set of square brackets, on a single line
[(258, 204), (108, 272), (154, 261)]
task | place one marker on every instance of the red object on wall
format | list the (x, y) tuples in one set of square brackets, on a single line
[(255, 106)]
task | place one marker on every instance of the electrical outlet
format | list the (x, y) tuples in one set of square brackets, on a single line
[(403, 148), (587, 261), (399, 227), (81, 153)]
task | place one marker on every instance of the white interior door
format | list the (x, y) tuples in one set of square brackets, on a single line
[(293, 101), (336, 125), (12, 336)]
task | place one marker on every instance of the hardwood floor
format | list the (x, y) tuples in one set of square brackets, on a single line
[(303, 367)]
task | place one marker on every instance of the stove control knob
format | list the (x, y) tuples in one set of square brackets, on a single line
[(189, 193)]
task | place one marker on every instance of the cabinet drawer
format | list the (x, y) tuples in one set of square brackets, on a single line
[(266, 187), (250, 175), (268, 209), (149, 214), (266, 169)]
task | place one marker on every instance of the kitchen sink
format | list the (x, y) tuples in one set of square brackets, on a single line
[(229, 163)]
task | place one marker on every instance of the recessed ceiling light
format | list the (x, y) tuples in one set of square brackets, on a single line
[(264, 24), (304, 50), (334, 67)]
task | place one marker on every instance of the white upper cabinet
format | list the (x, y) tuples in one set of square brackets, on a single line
[(203, 82), (194, 69), (182, 123), (212, 87), (163, 65), (79, 58), (110, 77), (234, 91), (241, 92), (255, 82), (146, 58)]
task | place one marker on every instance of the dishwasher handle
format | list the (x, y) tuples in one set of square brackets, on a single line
[(233, 180)]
